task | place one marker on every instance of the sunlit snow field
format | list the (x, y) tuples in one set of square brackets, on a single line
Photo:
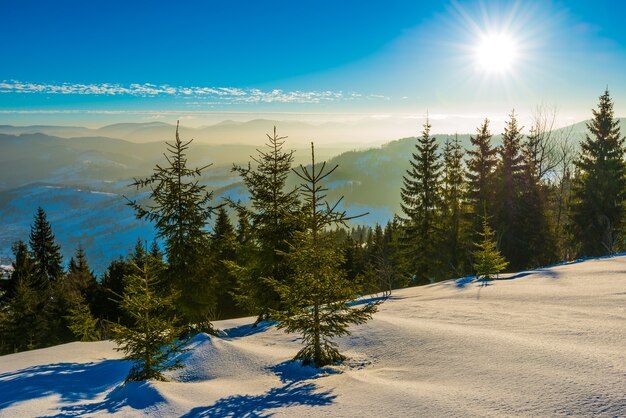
[(547, 342)]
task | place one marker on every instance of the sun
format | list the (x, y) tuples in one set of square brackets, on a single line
[(496, 53)]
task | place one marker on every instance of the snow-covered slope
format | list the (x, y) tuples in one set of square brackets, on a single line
[(549, 342)]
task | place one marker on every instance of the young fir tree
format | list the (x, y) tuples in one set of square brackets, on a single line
[(454, 226), (508, 215), (151, 340), (318, 295), (599, 187), (82, 323), (274, 219), (180, 209), (421, 202), (488, 261), (25, 324), (46, 253), (481, 165)]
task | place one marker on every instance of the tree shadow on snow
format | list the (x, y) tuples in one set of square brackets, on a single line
[(78, 385), (72, 382), (136, 395), (246, 330), (295, 392)]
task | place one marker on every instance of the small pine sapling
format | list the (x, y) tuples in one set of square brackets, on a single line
[(82, 323), (151, 342), (318, 298), (488, 260)]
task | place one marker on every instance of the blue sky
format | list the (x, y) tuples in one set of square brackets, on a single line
[(95, 62)]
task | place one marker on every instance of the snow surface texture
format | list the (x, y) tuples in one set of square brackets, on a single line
[(547, 342)]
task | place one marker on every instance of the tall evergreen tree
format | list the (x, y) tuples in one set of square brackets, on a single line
[(421, 202), (25, 300), (180, 209), (80, 282), (24, 320), (454, 208), (274, 219), (537, 228), (508, 205), (46, 253), (481, 165), (392, 264), (23, 269), (151, 340), (224, 247), (112, 285), (318, 295), (599, 187)]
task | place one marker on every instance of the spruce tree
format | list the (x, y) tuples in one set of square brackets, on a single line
[(24, 319), (274, 219), (180, 209), (318, 295), (80, 282), (151, 340), (391, 266), (421, 202), (599, 187), (112, 285), (488, 261), (82, 323), (508, 205), (537, 227), (25, 301), (481, 165), (46, 253), (224, 247), (454, 208), (23, 269)]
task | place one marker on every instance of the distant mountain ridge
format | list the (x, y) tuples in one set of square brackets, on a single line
[(335, 136)]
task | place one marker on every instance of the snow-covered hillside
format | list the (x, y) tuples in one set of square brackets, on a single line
[(548, 342)]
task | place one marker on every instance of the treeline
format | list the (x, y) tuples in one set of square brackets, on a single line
[(290, 256), (545, 201)]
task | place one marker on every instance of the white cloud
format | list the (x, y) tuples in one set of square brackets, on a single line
[(212, 95)]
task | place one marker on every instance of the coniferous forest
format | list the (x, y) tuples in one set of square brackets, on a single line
[(290, 255)]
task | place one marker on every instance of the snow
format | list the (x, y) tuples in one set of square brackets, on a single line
[(547, 342)]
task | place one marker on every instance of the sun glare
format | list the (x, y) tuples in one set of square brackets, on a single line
[(496, 53)]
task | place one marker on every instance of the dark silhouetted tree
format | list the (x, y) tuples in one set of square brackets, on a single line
[(508, 205), (600, 185), (481, 165), (421, 203), (46, 253), (454, 225)]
